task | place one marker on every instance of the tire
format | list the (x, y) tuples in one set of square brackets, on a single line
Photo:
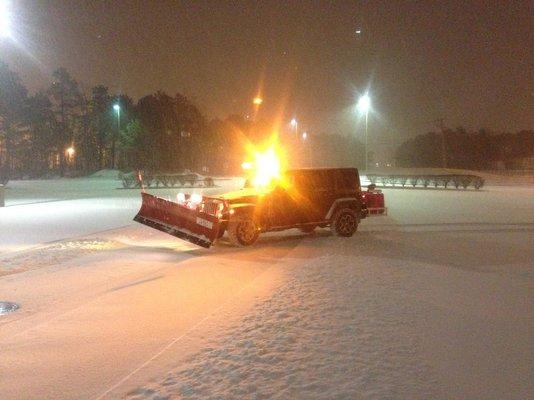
[(345, 223), (243, 232), (307, 228), (221, 233)]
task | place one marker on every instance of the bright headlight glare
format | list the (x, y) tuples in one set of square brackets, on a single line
[(195, 198)]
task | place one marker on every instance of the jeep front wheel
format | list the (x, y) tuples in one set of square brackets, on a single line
[(243, 232), (345, 223)]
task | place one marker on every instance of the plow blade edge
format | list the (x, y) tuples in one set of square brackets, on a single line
[(178, 220)]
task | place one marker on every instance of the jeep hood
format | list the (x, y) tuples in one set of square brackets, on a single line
[(246, 195)]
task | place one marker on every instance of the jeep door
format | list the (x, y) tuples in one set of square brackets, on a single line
[(315, 193), (281, 208)]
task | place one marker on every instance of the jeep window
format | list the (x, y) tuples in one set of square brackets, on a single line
[(346, 180), (312, 180)]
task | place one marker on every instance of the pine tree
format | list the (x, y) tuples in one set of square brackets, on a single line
[(13, 103), (66, 100)]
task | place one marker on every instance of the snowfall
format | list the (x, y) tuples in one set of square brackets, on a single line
[(432, 301)]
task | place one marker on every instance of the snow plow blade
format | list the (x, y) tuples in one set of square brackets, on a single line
[(181, 220)]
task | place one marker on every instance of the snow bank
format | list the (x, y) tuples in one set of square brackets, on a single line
[(52, 255), (106, 174)]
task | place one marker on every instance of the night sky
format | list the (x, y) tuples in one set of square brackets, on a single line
[(470, 63)]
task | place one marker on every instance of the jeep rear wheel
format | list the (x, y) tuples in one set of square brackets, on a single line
[(243, 232), (345, 223)]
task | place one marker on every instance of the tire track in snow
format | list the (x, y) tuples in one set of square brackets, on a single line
[(43, 245), (334, 329), (213, 315)]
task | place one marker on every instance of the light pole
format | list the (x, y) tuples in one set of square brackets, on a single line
[(117, 109), (306, 138), (364, 104)]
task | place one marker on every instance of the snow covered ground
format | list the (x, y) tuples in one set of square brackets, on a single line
[(433, 301)]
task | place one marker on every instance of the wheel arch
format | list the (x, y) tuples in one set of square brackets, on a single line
[(242, 209), (345, 202)]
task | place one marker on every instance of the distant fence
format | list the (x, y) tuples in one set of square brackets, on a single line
[(134, 180), (425, 181)]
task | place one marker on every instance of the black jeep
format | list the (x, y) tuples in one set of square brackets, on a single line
[(308, 198), (303, 198)]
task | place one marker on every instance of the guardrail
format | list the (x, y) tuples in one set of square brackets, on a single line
[(133, 180), (445, 181)]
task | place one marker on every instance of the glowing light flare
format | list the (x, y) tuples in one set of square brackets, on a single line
[(70, 152), (193, 202), (5, 19), (267, 168), (267, 164), (195, 198), (257, 101), (364, 104)]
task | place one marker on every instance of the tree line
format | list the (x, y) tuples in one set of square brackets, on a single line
[(462, 149), (66, 130), (69, 131)]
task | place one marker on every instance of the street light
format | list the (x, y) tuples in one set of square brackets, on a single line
[(117, 109), (70, 152), (364, 104), (5, 30), (294, 123)]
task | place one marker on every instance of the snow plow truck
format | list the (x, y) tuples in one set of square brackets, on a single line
[(302, 198)]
